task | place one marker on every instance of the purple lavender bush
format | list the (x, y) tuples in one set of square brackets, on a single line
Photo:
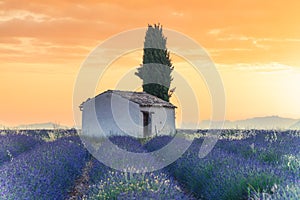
[(13, 145), (128, 143), (291, 192), (123, 185), (260, 161), (108, 183), (46, 172)]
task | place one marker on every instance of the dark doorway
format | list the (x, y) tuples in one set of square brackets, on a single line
[(147, 124)]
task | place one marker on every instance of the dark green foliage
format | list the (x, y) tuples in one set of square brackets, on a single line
[(238, 189), (269, 156), (157, 66)]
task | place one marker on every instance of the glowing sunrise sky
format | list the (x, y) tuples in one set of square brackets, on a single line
[(255, 46)]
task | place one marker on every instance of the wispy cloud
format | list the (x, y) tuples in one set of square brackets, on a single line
[(257, 67), (232, 36), (178, 14), (216, 31), (22, 15), (22, 49), (220, 50)]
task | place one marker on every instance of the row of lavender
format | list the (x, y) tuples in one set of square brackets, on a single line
[(108, 183), (12, 145), (47, 170), (266, 164), (42, 134), (262, 164)]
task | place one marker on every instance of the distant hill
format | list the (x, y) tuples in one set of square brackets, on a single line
[(268, 122), (47, 125), (296, 125), (205, 124)]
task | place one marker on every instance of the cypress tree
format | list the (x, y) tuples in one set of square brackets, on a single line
[(157, 66)]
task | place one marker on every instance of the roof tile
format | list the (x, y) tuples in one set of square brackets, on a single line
[(142, 98)]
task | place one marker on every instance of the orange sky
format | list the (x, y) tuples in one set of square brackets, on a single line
[(254, 44)]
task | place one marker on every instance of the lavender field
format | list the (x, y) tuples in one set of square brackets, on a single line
[(244, 164)]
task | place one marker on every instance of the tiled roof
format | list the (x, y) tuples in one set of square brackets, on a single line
[(142, 98)]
